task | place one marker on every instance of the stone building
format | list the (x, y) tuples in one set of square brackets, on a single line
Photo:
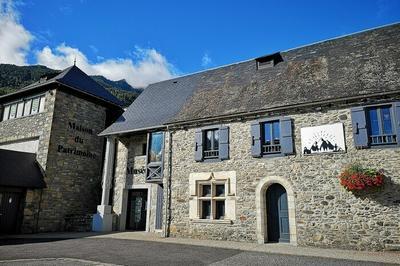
[(50, 154), (252, 151)]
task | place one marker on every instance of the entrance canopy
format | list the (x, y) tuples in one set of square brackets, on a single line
[(20, 169)]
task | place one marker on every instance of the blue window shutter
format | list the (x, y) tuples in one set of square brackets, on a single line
[(159, 207), (256, 139), (286, 135), (359, 124), (198, 154), (396, 110), (224, 143)]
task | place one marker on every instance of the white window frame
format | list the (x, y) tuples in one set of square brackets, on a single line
[(228, 178), (212, 198), (24, 111), (6, 112)]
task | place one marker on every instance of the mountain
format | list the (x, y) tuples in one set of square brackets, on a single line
[(120, 84), (14, 77)]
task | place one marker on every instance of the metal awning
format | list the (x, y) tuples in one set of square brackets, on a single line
[(20, 169)]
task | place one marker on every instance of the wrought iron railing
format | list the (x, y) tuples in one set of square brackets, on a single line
[(209, 154), (383, 139), (270, 149)]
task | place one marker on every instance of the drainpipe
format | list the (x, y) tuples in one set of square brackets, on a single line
[(168, 198)]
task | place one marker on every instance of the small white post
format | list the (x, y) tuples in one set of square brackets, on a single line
[(102, 220)]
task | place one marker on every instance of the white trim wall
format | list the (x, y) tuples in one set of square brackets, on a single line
[(24, 145), (122, 223)]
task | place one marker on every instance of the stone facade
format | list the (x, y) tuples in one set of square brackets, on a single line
[(130, 174), (36, 126), (326, 215), (314, 85), (73, 180), (71, 156)]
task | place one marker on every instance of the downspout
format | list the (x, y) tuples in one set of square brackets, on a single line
[(168, 192)]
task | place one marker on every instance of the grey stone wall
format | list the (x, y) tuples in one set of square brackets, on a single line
[(326, 214), (129, 156), (23, 128), (74, 162)]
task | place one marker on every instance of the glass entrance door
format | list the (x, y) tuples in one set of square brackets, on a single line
[(137, 210)]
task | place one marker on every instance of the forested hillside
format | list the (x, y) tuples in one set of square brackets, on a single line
[(14, 77)]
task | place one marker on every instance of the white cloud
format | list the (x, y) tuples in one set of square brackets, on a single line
[(142, 67), (14, 38), (206, 60), (149, 67), (94, 49)]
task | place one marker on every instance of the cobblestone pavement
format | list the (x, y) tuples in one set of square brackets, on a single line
[(106, 251)]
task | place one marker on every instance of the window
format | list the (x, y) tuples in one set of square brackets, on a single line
[(155, 147), (271, 137), (35, 106), (24, 107), (6, 112), (268, 61), (27, 107), (13, 111), (212, 200), (376, 125), (20, 109), (212, 143), (211, 147), (380, 126), (41, 104), (212, 197), (155, 156)]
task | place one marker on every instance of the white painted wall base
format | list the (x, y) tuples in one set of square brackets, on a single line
[(102, 220), (30, 145)]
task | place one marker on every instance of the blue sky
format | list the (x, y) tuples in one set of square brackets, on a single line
[(180, 37)]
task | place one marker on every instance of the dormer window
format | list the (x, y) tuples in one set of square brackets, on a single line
[(268, 61)]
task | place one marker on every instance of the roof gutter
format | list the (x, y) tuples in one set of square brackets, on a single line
[(131, 131), (25, 89)]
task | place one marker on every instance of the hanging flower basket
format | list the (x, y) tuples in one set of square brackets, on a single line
[(355, 177)]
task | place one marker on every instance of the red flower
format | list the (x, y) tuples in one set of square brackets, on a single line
[(355, 177)]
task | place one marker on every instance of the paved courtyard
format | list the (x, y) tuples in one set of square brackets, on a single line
[(111, 251)]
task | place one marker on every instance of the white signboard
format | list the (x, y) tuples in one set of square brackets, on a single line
[(323, 139)]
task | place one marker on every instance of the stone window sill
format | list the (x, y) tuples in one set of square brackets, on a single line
[(209, 221)]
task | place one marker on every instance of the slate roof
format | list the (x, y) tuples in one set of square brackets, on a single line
[(20, 169), (75, 79), (356, 65), (157, 104)]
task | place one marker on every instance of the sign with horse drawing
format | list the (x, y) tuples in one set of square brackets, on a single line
[(323, 139)]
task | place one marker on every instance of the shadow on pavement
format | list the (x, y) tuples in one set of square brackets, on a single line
[(20, 241)]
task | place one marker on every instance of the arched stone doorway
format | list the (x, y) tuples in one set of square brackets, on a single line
[(277, 214), (279, 185)]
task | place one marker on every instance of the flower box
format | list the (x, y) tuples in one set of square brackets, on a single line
[(355, 177)]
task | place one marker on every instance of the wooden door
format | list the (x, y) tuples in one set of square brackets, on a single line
[(277, 214), (9, 208), (137, 210)]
